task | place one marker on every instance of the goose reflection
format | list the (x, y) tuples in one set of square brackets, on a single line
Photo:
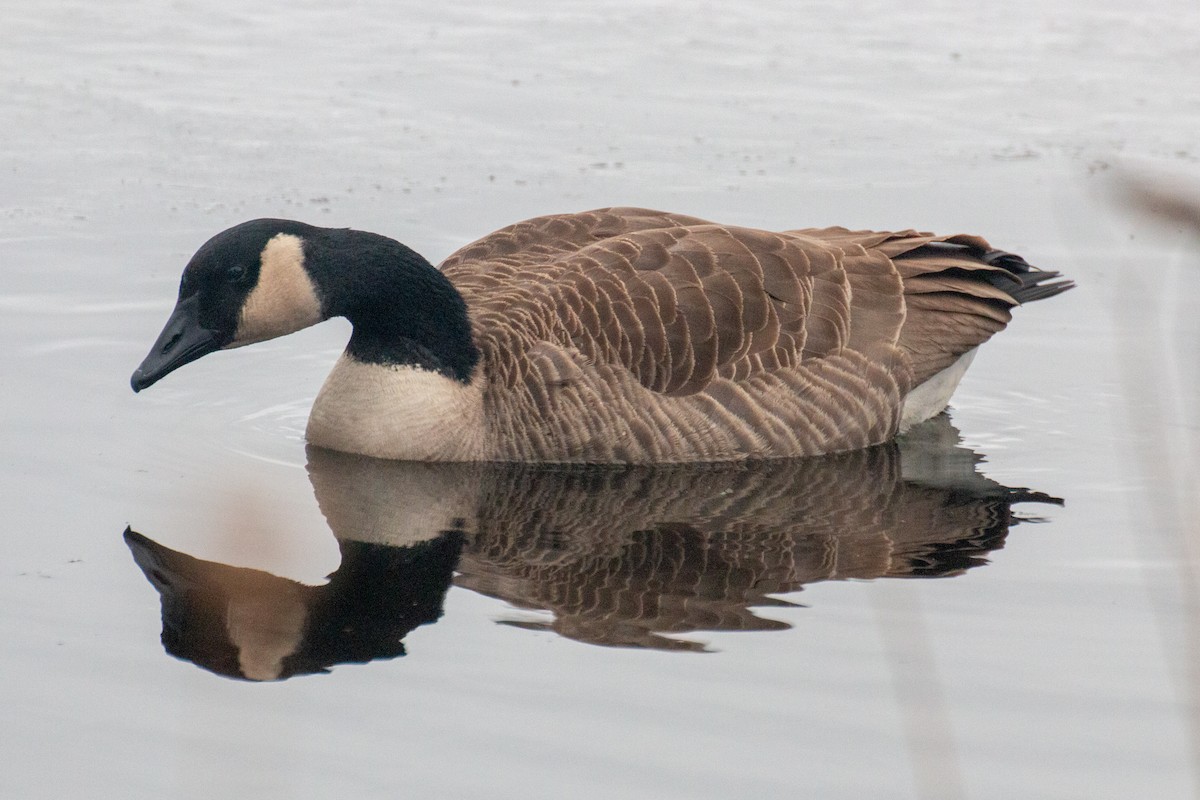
[(632, 557), (246, 623)]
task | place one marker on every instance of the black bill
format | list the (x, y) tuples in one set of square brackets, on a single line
[(182, 341)]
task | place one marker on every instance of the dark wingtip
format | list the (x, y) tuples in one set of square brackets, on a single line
[(1013, 275), (1034, 283), (1040, 291)]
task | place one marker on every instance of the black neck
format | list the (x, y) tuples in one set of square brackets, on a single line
[(404, 311)]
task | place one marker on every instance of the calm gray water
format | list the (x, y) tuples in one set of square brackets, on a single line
[(533, 634)]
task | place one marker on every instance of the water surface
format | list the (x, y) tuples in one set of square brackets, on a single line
[(778, 640)]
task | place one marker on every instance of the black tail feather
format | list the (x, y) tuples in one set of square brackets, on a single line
[(1022, 281), (1033, 283)]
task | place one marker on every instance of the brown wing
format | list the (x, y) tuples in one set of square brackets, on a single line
[(958, 290), (627, 335), (677, 301)]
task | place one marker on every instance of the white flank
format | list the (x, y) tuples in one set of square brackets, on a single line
[(931, 397), (404, 413), (284, 299)]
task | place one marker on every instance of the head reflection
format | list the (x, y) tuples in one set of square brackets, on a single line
[(245, 623), (632, 557)]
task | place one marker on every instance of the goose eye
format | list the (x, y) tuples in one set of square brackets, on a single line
[(235, 274)]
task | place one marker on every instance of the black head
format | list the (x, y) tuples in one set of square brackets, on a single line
[(244, 285)]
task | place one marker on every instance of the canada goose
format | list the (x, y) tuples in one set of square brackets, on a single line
[(618, 335)]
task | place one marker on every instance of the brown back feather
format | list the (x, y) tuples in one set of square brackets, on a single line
[(678, 301)]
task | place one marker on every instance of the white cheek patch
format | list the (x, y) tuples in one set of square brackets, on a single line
[(284, 299)]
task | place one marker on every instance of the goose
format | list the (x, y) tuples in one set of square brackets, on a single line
[(618, 335)]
